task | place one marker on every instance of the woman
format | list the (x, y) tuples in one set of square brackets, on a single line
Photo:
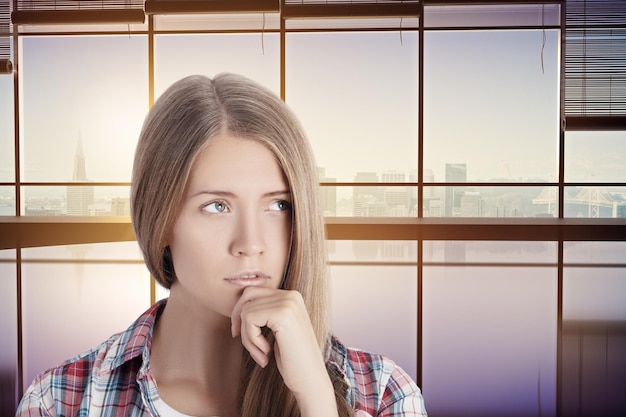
[(225, 210)]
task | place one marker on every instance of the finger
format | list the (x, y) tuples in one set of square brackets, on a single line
[(246, 296), (253, 339)]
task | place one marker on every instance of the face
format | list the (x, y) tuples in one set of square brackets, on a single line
[(234, 226)]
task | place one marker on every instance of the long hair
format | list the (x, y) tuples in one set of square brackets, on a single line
[(182, 121)]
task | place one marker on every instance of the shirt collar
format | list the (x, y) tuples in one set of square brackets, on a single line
[(136, 340), (336, 357)]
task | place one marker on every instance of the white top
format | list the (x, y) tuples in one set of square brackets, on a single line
[(167, 411)]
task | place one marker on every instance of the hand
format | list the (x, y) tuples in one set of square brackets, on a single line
[(297, 353)]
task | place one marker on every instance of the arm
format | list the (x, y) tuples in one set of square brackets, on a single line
[(380, 388), (297, 353), (402, 397), (31, 404)]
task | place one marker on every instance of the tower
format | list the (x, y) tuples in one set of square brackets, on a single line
[(80, 198)]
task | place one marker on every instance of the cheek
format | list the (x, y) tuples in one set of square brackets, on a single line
[(188, 246), (285, 244), (284, 236)]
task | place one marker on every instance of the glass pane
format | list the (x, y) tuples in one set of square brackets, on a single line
[(491, 104), (377, 297), (84, 200), (356, 95), (7, 133), (384, 251), (369, 201), (599, 253), (374, 284), (486, 15), (256, 56), (594, 328), (594, 293), (86, 29), (351, 23), (477, 201), (595, 156), (90, 279), (594, 365), (522, 253), (8, 333), (595, 280), (123, 252), (595, 202), (217, 21), (84, 100), (7, 201), (490, 338)]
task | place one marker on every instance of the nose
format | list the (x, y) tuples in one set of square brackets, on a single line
[(248, 237)]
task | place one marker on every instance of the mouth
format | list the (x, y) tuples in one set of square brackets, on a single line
[(248, 279)]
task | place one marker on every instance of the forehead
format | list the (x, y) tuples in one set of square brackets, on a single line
[(232, 160)]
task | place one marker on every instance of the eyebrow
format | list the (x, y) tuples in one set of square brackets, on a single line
[(220, 193)]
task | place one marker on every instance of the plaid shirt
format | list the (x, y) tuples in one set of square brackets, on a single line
[(114, 380)]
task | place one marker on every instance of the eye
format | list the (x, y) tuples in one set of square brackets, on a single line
[(217, 206), (280, 205)]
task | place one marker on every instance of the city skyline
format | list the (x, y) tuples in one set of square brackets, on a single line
[(366, 201)]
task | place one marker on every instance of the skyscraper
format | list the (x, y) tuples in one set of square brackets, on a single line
[(455, 173), (80, 198), (367, 201)]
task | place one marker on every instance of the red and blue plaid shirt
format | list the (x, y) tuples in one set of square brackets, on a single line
[(114, 380)]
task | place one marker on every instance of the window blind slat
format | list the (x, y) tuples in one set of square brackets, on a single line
[(36, 12), (45, 5), (595, 59), (5, 33)]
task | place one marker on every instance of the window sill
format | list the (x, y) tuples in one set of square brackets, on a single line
[(26, 231)]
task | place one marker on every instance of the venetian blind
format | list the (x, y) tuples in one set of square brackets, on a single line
[(595, 65), (5, 33), (77, 11), (298, 9)]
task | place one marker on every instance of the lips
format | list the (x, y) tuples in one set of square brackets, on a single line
[(248, 279)]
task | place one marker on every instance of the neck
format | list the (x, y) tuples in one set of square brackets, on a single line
[(195, 360)]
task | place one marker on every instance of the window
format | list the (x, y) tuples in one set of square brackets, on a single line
[(471, 216)]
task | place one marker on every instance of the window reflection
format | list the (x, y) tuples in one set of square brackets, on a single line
[(8, 332), (104, 287), (380, 300), (594, 328), (484, 323)]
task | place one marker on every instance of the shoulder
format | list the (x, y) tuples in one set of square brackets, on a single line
[(89, 379), (377, 385), (66, 383)]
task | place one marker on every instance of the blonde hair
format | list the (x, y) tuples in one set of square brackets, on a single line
[(182, 121)]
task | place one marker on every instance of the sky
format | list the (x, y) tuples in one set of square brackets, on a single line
[(488, 101)]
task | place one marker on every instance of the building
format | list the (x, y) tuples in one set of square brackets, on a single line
[(455, 173), (80, 198), (120, 207), (328, 194)]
